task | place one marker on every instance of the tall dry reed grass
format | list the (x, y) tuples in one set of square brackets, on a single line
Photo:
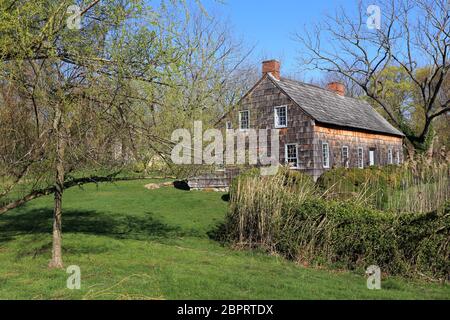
[(416, 186), (288, 214), (257, 204)]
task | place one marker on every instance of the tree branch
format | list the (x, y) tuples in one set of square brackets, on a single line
[(68, 184)]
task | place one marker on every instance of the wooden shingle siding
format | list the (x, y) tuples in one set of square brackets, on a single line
[(262, 102), (218, 180), (310, 113), (337, 138)]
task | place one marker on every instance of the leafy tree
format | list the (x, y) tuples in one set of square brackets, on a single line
[(78, 105), (68, 94)]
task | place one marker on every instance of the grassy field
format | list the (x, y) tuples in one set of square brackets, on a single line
[(134, 243)]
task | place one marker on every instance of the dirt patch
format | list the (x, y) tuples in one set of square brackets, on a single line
[(152, 186)]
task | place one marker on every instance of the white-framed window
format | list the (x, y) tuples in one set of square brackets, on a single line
[(397, 157), (389, 159), (244, 120), (345, 157), (325, 155), (291, 156), (360, 158), (228, 125), (371, 157), (280, 115)]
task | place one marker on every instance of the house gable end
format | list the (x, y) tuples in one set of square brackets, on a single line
[(262, 100)]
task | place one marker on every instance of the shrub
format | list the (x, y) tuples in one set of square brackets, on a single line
[(353, 236), (417, 185), (284, 214)]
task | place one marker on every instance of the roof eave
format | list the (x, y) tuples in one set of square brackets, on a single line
[(399, 134)]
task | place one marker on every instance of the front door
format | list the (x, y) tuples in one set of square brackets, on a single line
[(371, 157)]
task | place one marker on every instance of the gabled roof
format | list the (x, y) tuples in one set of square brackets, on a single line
[(328, 107)]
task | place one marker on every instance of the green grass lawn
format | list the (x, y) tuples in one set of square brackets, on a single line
[(153, 244)]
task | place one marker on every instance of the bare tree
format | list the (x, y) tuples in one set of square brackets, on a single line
[(413, 35), (212, 78)]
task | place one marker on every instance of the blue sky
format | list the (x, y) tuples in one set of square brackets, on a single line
[(270, 24)]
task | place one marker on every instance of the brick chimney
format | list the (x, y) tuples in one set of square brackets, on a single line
[(272, 66), (337, 87)]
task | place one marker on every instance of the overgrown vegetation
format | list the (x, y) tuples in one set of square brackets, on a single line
[(134, 243), (416, 186), (87, 103), (287, 214)]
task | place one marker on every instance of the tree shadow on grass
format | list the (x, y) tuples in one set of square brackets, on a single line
[(220, 233), (118, 226)]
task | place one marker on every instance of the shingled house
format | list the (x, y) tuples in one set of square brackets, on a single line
[(319, 128)]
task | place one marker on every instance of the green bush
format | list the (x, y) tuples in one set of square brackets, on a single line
[(355, 237), (266, 213), (420, 186)]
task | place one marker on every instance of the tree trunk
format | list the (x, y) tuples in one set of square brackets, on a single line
[(56, 261)]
